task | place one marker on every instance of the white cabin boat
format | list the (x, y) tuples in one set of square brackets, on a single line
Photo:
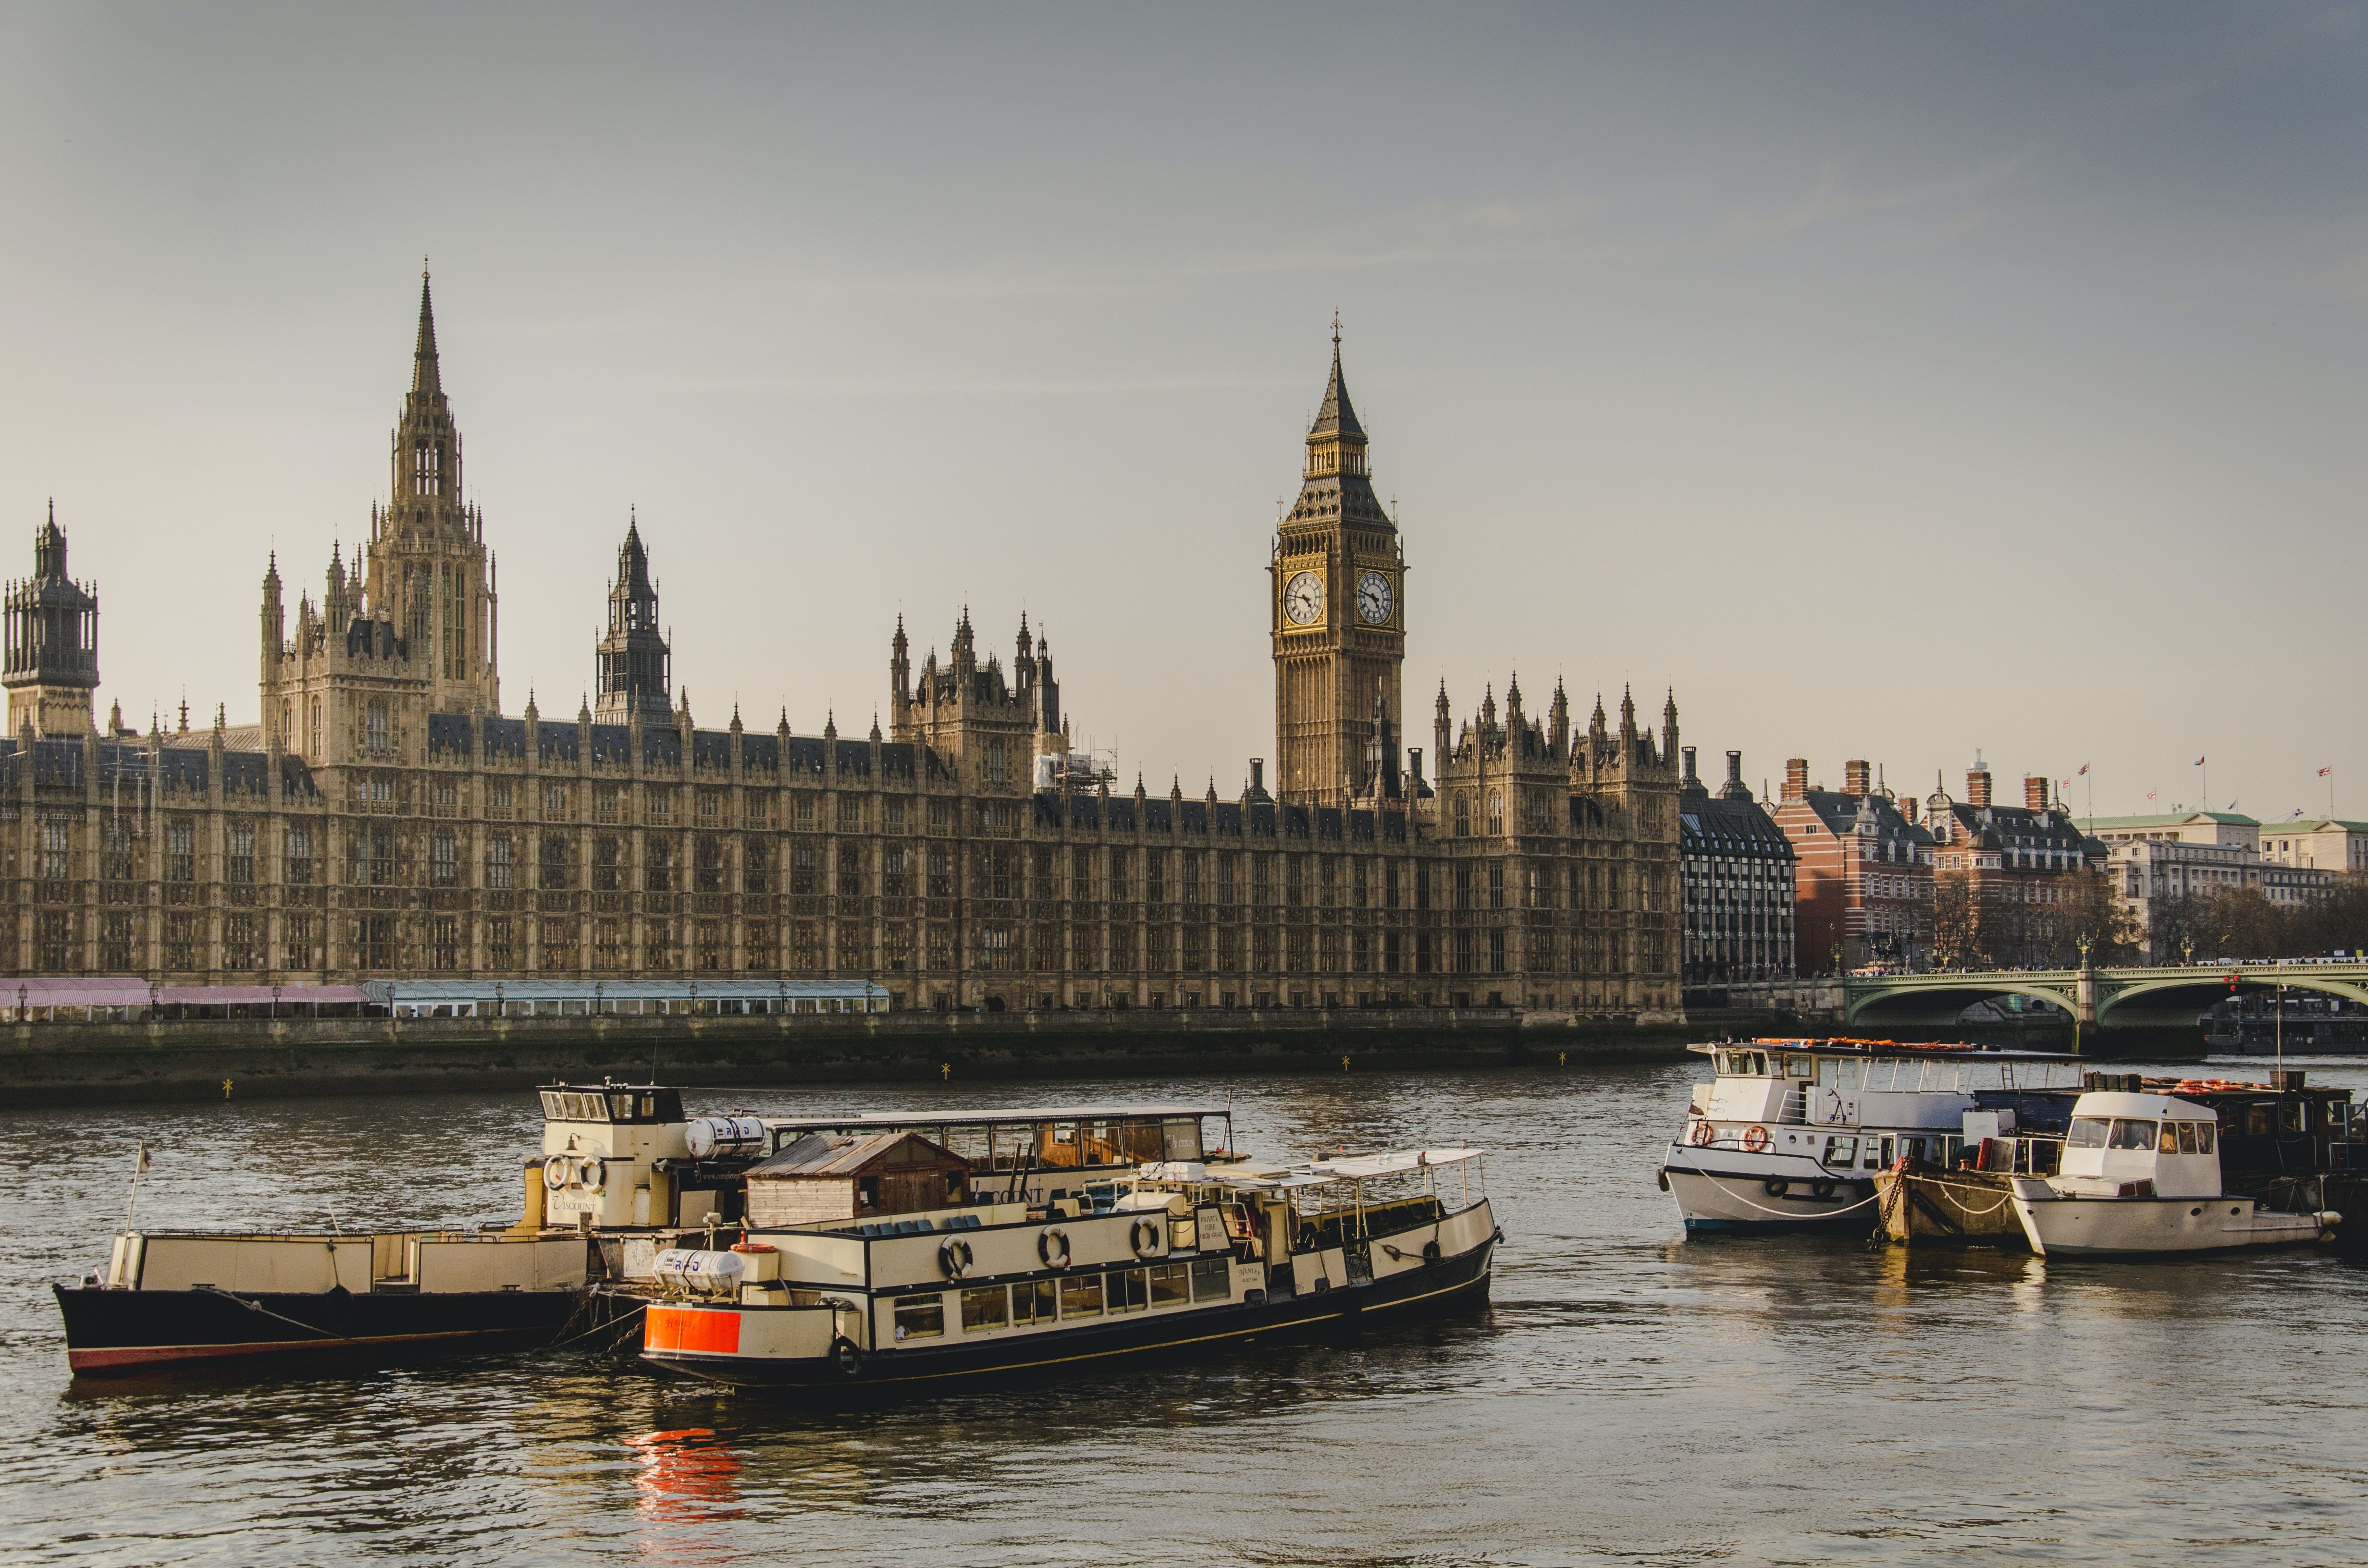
[(1790, 1133), (1178, 1253), (2141, 1174)]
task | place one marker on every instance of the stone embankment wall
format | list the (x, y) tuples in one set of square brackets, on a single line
[(53, 1063)]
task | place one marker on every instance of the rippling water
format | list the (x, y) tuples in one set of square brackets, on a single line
[(1631, 1397)]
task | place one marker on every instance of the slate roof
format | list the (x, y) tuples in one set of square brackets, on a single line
[(450, 734), (612, 745), (1839, 813), (1708, 825)]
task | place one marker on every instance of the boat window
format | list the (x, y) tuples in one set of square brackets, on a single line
[(552, 1107), (649, 1108), (1081, 1296), (920, 1317), (2131, 1134), (1209, 1281), (1171, 1284), (1130, 1289), (1031, 1301), (2088, 1133), (1179, 1138), (1800, 1067), (1836, 1072), (1759, 1065), (986, 1308), (621, 1106), (2204, 1131), (1059, 1144), (2170, 1144), (2257, 1121), (1841, 1151), (2186, 1137), (1144, 1142)]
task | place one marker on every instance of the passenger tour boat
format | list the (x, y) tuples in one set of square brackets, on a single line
[(891, 1258), (1791, 1134)]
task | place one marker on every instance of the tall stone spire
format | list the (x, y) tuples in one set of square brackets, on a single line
[(427, 377)]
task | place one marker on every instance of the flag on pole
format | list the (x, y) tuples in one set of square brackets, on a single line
[(139, 1161), (2325, 771), (2149, 794), (2084, 771), (2199, 762)]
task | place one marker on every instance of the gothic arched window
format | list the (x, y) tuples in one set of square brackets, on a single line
[(1496, 813), (1463, 816)]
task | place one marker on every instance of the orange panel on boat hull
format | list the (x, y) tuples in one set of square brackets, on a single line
[(699, 1331)]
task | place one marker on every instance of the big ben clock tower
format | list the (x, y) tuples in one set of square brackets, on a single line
[(1338, 606)]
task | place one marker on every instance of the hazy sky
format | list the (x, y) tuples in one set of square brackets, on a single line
[(1892, 381)]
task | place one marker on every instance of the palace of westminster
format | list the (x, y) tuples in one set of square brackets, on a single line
[(386, 820)]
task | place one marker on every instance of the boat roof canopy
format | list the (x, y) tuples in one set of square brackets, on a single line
[(1906, 1050), (985, 1116), (1348, 1168)]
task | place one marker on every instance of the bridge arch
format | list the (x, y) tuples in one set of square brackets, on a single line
[(1940, 1000), (2186, 998)]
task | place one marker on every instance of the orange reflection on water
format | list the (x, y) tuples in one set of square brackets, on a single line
[(687, 1476)]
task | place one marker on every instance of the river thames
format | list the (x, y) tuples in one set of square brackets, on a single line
[(1629, 1396)]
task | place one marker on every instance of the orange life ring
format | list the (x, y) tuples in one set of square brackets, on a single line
[(1755, 1139), (1703, 1134)]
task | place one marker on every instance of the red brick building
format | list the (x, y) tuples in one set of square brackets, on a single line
[(2008, 889), (1862, 875)]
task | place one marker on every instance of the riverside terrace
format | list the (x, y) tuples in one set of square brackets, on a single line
[(2175, 996), (127, 999)]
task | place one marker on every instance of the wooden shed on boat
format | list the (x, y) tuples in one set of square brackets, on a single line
[(851, 1177)]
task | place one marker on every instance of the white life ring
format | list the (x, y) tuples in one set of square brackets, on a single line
[(1143, 1236), (592, 1174), (554, 1171), (1052, 1247), (954, 1257)]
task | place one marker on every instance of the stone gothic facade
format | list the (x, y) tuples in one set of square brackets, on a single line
[(384, 818)]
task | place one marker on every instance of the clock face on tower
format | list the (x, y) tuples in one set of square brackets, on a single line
[(1302, 599), (1373, 599)]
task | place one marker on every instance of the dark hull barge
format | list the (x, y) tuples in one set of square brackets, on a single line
[(171, 1300)]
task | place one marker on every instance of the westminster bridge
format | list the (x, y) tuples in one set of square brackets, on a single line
[(2099, 998)]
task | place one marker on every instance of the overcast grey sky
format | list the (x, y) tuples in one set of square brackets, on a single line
[(1891, 381)]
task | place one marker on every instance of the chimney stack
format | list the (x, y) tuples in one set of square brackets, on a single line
[(1978, 783), (1858, 779), (1734, 789), (1908, 809), (2034, 793), (1257, 775), (1796, 777), (1691, 781)]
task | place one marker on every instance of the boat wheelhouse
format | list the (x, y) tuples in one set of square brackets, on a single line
[(1170, 1254), (1791, 1134)]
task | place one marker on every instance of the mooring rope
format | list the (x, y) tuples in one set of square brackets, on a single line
[(1781, 1213)]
